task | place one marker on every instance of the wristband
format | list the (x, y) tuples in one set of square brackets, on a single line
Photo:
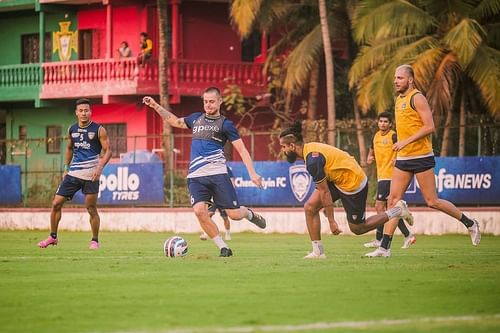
[(66, 167)]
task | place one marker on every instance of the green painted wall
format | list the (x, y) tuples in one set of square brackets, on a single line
[(43, 169), (15, 24)]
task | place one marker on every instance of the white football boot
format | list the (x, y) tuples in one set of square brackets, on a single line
[(314, 255), (409, 241), (405, 213), (379, 252), (475, 233), (373, 243)]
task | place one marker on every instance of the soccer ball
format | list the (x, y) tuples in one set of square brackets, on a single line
[(175, 246)]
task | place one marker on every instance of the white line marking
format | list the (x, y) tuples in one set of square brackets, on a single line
[(324, 326)]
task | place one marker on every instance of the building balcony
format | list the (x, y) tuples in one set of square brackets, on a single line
[(110, 78), (20, 82)]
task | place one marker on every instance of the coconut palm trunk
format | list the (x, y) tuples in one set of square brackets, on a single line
[(330, 72), (163, 88)]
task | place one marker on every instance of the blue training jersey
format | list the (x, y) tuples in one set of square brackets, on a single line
[(207, 147), (86, 150)]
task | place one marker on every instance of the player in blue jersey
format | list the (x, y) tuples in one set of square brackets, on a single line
[(87, 152), (207, 176)]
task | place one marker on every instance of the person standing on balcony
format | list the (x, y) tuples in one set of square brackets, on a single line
[(146, 49), (87, 152), (124, 51), (208, 179)]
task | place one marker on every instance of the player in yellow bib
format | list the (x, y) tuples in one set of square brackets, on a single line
[(414, 125), (381, 152), (337, 175)]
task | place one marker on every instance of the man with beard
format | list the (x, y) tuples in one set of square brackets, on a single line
[(337, 175), (415, 157)]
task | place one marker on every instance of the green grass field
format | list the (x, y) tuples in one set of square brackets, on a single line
[(441, 284)]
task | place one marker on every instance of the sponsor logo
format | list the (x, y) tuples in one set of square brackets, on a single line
[(82, 145), (203, 128), (268, 182), (75, 135), (459, 181), (122, 185), (300, 181)]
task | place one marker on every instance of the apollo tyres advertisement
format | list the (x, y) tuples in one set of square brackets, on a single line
[(129, 184)]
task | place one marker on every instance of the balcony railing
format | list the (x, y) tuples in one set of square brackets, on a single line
[(17, 76), (19, 82), (126, 76)]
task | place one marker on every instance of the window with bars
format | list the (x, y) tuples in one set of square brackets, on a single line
[(117, 136), (53, 139), (31, 50)]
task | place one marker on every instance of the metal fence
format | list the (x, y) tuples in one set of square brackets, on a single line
[(42, 171)]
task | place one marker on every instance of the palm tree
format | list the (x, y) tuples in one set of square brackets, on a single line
[(163, 88), (303, 40), (449, 43), (330, 93)]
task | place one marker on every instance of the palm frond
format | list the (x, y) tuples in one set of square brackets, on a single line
[(493, 31), (464, 39), (484, 70), (244, 13), (389, 19), (425, 66), (440, 9), (397, 50), (300, 60), (485, 9), (376, 90), (444, 82)]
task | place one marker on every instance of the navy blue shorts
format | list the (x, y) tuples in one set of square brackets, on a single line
[(354, 204), (216, 189), (70, 185), (416, 165), (383, 189)]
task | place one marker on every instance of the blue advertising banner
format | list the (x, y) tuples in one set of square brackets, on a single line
[(463, 180), (10, 184), (129, 184), (284, 184)]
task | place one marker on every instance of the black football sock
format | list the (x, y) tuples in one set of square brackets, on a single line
[(386, 241), (95, 239), (53, 235), (380, 233), (403, 228), (466, 221)]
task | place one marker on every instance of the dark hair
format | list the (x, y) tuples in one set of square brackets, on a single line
[(145, 34), (125, 42), (82, 101), (293, 134), (385, 114), (212, 90)]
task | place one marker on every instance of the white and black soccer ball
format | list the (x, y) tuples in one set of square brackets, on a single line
[(175, 246)]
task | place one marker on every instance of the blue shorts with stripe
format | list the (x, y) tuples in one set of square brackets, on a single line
[(70, 185), (216, 189)]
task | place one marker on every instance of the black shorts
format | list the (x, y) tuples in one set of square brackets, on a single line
[(383, 189), (70, 185), (354, 204), (213, 208), (417, 165)]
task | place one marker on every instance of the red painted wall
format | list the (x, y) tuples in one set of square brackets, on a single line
[(206, 32)]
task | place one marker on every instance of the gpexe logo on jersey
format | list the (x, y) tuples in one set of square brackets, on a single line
[(300, 181)]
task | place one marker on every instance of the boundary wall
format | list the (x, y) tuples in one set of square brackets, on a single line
[(182, 220)]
